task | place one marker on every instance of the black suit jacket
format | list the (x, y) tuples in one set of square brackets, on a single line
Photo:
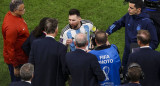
[(27, 44), (47, 55), (131, 84), (149, 60), (20, 83), (83, 68)]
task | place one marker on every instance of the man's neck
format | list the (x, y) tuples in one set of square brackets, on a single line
[(99, 45), (78, 26), (143, 45), (53, 35), (137, 82), (138, 13), (82, 48), (14, 14)]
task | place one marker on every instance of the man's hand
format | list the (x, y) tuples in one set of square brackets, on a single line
[(68, 41), (17, 72)]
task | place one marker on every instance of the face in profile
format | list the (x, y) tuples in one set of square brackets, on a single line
[(74, 21), (21, 10), (132, 10)]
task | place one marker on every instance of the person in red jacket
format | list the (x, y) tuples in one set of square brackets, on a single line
[(15, 32)]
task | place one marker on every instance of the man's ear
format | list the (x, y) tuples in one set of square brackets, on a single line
[(138, 42), (139, 9), (79, 18), (56, 30)]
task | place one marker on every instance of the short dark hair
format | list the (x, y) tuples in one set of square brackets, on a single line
[(14, 4), (101, 37), (144, 36), (138, 3), (26, 71), (51, 25), (74, 12), (81, 40), (134, 73)]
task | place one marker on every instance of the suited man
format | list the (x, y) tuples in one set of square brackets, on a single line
[(82, 66), (148, 59), (47, 55), (26, 74)]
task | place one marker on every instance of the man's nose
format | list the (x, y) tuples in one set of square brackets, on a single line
[(70, 22)]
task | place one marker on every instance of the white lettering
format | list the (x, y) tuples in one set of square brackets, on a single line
[(104, 57), (106, 61)]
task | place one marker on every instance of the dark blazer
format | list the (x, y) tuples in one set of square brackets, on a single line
[(27, 44), (20, 83), (131, 84), (83, 68), (149, 60), (48, 57)]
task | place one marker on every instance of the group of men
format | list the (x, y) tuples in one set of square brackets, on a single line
[(52, 63)]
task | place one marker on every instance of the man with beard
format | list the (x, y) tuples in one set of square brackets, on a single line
[(76, 25)]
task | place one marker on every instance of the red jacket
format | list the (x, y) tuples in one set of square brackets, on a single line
[(15, 32)]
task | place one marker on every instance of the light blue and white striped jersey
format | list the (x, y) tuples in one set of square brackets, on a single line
[(71, 33)]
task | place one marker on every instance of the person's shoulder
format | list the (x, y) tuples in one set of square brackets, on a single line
[(131, 84), (114, 46), (156, 52), (37, 41), (140, 51), (65, 29), (92, 51), (91, 56), (20, 83), (61, 45), (84, 21), (146, 17)]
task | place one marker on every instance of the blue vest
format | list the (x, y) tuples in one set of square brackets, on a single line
[(110, 63)]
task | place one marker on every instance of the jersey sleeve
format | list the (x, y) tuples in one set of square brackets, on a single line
[(63, 32), (92, 27), (116, 25), (64, 38), (154, 38)]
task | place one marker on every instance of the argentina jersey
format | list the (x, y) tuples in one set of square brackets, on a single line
[(71, 33)]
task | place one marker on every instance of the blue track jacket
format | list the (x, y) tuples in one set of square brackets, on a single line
[(132, 24)]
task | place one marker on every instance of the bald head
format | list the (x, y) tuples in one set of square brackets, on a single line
[(81, 40), (101, 37), (143, 36)]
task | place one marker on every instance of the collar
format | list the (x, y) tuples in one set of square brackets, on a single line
[(82, 49), (44, 32), (145, 47), (143, 14), (104, 46), (26, 81), (49, 36)]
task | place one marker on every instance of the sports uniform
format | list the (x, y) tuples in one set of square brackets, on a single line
[(132, 24), (69, 33)]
